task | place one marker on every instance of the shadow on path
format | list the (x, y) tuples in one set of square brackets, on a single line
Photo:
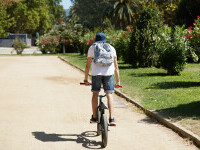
[(148, 120), (78, 138)]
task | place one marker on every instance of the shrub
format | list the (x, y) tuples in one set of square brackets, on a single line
[(19, 45), (72, 43), (72, 36), (119, 39), (48, 44), (142, 38), (87, 40), (193, 36), (161, 38), (173, 50), (71, 39), (121, 43)]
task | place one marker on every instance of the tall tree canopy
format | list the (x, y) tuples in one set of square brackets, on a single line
[(26, 20), (31, 16), (7, 2), (5, 21), (187, 12), (168, 7), (90, 12), (122, 12)]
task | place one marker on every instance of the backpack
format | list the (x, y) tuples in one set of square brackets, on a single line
[(102, 54)]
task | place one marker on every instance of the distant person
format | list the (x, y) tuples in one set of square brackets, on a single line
[(104, 66), (37, 34)]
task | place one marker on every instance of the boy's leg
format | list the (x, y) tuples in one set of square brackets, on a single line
[(96, 86), (95, 103), (110, 104), (108, 85), (111, 109)]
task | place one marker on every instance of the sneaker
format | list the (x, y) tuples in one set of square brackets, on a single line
[(93, 120), (112, 122)]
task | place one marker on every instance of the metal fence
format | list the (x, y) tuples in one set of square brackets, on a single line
[(8, 41)]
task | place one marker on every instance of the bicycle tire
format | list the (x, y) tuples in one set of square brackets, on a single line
[(104, 130), (98, 122)]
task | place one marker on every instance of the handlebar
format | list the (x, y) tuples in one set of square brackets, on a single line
[(83, 83), (117, 86)]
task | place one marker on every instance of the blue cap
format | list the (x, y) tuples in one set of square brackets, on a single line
[(100, 37)]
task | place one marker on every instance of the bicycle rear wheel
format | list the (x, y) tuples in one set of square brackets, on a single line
[(104, 130)]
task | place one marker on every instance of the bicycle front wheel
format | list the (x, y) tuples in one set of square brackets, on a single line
[(104, 130)]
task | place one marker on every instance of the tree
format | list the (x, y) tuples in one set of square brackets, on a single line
[(90, 12), (187, 12), (167, 7), (122, 12), (26, 20), (49, 12), (73, 17), (7, 2), (45, 21), (56, 10), (5, 21), (33, 16)]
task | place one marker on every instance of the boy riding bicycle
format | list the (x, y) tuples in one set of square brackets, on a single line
[(103, 70)]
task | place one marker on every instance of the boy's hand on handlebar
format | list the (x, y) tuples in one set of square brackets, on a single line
[(87, 83), (117, 85)]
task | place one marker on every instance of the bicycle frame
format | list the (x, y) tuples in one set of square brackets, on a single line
[(101, 105), (102, 124)]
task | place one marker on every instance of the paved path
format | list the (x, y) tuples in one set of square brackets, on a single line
[(43, 107)]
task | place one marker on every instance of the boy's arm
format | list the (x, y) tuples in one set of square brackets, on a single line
[(116, 71), (87, 68)]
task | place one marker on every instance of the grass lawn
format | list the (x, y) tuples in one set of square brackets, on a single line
[(177, 97)]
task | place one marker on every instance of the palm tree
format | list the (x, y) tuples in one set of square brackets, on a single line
[(122, 12)]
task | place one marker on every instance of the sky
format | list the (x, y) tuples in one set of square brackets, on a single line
[(66, 4)]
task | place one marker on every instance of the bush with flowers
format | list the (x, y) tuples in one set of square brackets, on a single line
[(87, 40), (193, 36), (171, 48), (118, 38), (48, 44), (19, 45), (121, 42)]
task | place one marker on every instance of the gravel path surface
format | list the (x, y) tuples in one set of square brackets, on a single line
[(43, 107)]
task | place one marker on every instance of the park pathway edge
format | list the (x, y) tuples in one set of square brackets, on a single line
[(153, 114)]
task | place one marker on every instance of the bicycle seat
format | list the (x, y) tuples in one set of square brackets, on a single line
[(100, 96)]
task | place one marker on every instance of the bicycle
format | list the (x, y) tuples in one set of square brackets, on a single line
[(102, 123)]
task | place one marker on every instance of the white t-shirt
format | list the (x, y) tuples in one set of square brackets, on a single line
[(101, 70)]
